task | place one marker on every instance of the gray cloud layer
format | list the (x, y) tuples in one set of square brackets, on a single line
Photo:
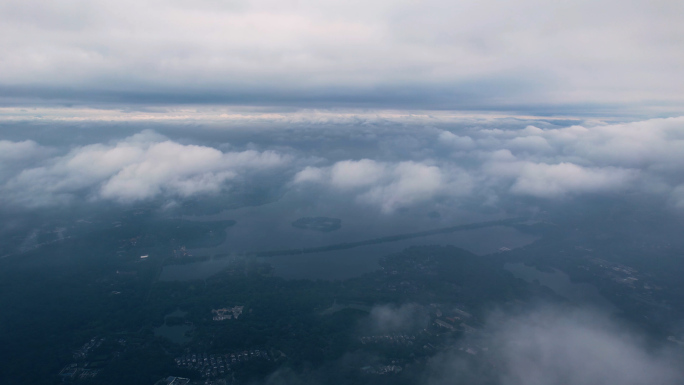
[(473, 54)]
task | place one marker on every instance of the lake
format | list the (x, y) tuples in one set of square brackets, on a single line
[(576, 292), (343, 264), (269, 227), (176, 333)]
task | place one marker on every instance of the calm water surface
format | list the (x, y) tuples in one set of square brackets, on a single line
[(177, 333), (269, 227), (560, 283), (342, 264)]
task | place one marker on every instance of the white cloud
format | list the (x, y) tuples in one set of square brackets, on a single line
[(550, 163), (410, 182), (140, 167), (554, 162), (550, 180), (471, 160), (551, 346), (389, 318), (309, 174), (353, 174), (458, 142), (11, 151), (388, 186), (655, 142), (649, 143), (529, 143), (556, 180), (15, 155)]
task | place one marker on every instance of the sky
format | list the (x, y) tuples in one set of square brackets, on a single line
[(524, 56)]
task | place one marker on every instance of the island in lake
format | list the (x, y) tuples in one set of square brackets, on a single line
[(324, 224)]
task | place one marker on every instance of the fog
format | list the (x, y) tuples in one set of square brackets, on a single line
[(542, 344), (556, 345), (390, 318)]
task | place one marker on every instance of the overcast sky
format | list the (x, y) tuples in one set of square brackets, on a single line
[(523, 55)]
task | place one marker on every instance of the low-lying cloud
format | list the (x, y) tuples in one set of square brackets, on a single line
[(555, 180), (554, 346), (553, 162), (10, 151), (140, 167), (548, 163), (391, 318), (477, 162), (388, 185)]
